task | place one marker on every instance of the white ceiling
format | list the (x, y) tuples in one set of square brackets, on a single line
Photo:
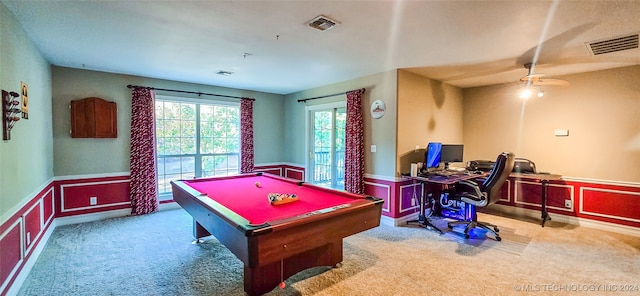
[(464, 43)]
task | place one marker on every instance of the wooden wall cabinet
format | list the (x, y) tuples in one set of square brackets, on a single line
[(93, 118)]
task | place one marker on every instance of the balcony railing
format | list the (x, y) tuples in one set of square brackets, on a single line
[(322, 170)]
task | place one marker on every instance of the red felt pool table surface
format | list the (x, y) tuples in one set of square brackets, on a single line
[(241, 195)]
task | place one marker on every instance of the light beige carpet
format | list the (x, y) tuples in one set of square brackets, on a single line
[(153, 255), (558, 259)]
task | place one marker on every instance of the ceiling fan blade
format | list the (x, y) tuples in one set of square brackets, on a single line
[(532, 77), (552, 81), (539, 79)]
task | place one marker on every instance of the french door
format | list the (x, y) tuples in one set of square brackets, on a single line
[(326, 145)]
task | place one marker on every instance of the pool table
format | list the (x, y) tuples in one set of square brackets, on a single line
[(275, 241)]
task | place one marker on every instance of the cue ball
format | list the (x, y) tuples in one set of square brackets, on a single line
[(257, 184)]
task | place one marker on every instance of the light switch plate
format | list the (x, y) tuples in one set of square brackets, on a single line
[(373, 148), (561, 132)]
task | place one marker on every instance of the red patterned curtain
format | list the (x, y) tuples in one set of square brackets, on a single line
[(246, 135), (354, 144), (142, 159)]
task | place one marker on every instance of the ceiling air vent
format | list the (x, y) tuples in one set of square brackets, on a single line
[(322, 23), (613, 44)]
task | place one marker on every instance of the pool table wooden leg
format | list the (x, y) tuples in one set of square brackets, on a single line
[(199, 231), (262, 279)]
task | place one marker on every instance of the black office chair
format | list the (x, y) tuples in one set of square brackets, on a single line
[(481, 195)]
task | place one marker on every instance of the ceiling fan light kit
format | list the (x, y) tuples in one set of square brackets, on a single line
[(528, 91)]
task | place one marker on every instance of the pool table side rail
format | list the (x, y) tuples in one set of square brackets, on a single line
[(325, 213), (246, 175), (242, 224)]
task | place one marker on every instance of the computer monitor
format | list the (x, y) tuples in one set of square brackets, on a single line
[(432, 155), (451, 153)]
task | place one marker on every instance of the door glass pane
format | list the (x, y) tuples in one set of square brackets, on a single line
[(341, 122), (327, 148), (322, 147)]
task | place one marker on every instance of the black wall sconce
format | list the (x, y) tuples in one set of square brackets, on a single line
[(10, 111)]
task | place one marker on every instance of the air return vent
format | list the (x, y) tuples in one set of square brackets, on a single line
[(322, 23), (614, 44)]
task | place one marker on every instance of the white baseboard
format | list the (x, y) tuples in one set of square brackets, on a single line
[(92, 217), (169, 206), (108, 214), (402, 221), (600, 225), (388, 221), (606, 226)]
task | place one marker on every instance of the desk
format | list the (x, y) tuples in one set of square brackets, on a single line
[(443, 181), (544, 179), (275, 242)]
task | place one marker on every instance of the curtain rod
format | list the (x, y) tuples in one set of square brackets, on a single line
[(333, 95), (188, 92)]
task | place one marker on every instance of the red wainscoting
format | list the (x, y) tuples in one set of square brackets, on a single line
[(610, 203), (386, 190), (12, 253), (109, 193), (289, 171), (22, 232), (593, 200)]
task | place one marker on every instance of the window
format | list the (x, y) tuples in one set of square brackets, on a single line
[(195, 139)]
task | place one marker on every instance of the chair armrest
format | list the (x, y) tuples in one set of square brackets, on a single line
[(472, 185), (473, 195)]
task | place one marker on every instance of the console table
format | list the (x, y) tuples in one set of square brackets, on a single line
[(543, 179)]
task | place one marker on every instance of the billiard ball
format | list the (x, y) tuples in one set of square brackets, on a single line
[(257, 184)]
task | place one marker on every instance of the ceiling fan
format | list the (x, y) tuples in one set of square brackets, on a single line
[(540, 79), (534, 83)]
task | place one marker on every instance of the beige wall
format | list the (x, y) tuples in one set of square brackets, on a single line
[(600, 109), (26, 161), (99, 156), (380, 132), (428, 111)]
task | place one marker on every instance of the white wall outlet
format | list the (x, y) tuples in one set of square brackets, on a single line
[(567, 203), (93, 200), (373, 148)]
